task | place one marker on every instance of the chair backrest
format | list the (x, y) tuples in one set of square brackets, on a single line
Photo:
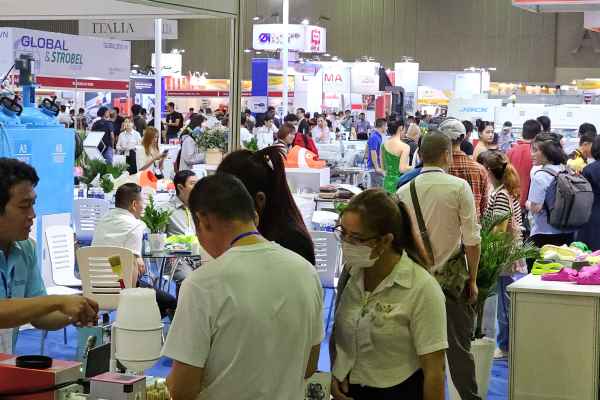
[(327, 256), (97, 278), (86, 213), (61, 248)]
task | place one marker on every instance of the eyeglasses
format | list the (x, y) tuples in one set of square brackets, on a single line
[(343, 236)]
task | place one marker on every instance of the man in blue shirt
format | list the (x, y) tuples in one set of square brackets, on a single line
[(362, 127), (374, 152), (23, 296)]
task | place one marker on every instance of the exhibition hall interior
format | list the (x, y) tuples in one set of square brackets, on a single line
[(300, 199)]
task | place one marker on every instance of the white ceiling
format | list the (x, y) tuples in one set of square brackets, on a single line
[(82, 9)]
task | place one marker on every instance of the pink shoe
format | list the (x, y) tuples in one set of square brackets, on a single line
[(589, 276), (589, 269), (564, 275)]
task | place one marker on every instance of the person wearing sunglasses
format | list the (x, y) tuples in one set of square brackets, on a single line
[(389, 336)]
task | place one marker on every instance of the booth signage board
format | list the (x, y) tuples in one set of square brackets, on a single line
[(127, 29), (473, 109), (304, 38), (591, 20), (336, 79), (170, 64), (365, 78), (58, 55)]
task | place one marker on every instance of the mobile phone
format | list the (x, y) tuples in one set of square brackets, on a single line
[(165, 152)]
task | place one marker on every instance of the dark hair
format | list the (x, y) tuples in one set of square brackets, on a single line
[(208, 110), (127, 194), (549, 145), (191, 109), (63, 108), (247, 111), (117, 110), (243, 119), (224, 196), (171, 104), (380, 122), (596, 148), (300, 109), (481, 125), (264, 171), (531, 128), (545, 122), (196, 120), (587, 137), (13, 172), (136, 109), (468, 126), (72, 111), (268, 117), (433, 146), (81, 111), (143, 111), (507, 124), (290, 118), (502, 169), (380, 215), (394, 125), (181, 178), (587, 127), (286, 130)]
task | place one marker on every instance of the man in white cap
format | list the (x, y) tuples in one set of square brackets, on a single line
[(463, 166)]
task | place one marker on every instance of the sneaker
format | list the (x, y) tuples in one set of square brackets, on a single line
[(541, 267), (589, 276), (500, 354)]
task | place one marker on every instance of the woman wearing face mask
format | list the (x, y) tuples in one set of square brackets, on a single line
[(285, 136), (128, 140), (390, 323), (263, 174), (487, 138)]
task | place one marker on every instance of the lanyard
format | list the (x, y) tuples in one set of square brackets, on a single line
[(188, 218), (243, 235), (8, 283)]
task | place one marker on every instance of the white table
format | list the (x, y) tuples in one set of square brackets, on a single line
[(554, 340)]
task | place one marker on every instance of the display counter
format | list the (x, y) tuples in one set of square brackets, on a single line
[(554, 340)]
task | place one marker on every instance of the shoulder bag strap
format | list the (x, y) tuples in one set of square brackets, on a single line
[(420, 220)]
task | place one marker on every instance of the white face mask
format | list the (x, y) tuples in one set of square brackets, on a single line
[(357, 256)]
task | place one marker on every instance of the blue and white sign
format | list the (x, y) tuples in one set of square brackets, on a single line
[(304, 38)]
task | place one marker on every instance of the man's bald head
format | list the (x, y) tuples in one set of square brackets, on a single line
[(434, 149)]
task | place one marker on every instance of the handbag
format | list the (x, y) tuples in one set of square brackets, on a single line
[(453, 276)]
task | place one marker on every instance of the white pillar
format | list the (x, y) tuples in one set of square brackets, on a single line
[(157, 74), (284, 54)]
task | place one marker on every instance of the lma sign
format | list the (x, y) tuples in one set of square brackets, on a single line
[(336, 79)]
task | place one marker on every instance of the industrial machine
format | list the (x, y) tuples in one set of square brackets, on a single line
[(32, 134)]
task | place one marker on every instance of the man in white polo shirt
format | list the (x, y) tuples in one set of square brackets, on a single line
[(248, 324)]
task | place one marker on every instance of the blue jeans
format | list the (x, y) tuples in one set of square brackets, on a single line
[(504, 309), (108, 155)]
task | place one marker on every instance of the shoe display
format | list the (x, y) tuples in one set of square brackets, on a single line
[(589, 276), (564, 253), (500, 354), (564, 275), (541, 267)]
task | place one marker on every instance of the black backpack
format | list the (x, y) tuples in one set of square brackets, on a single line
[(569, 200)]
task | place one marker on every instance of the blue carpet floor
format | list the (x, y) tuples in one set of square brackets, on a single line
[(29, 343)]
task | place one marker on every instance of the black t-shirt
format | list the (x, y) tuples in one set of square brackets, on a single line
[(103, 125), (118, 124), (172, 117), (291, 238), (140, 124), (467, 147)]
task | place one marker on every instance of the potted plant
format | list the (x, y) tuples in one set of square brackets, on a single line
[(213, 141), (156, 220), (499, 250), (251, 144)]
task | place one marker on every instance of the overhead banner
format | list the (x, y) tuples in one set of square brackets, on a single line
[(69, 57), (557, 5), (303, 38), (365, 78), (336, 78), (127, 29)]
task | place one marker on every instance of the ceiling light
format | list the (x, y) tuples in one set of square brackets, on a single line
[(492, 69), (247, 50), (256, 18), (305, 21), (327, 55), (135, 66), (258, 53)]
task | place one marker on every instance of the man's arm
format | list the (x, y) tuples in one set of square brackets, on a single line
[(47, 312), (184, 381), (471, 237), (313, 361), (376, 161), (473, 253)]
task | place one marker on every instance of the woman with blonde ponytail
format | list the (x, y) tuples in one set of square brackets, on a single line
[(504, 199)]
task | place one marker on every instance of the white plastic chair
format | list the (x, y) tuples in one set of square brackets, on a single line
[(86, 213), (98, 280), (328, 258), (61, 278)]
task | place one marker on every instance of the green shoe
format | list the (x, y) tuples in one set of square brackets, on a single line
[(541, 267)]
